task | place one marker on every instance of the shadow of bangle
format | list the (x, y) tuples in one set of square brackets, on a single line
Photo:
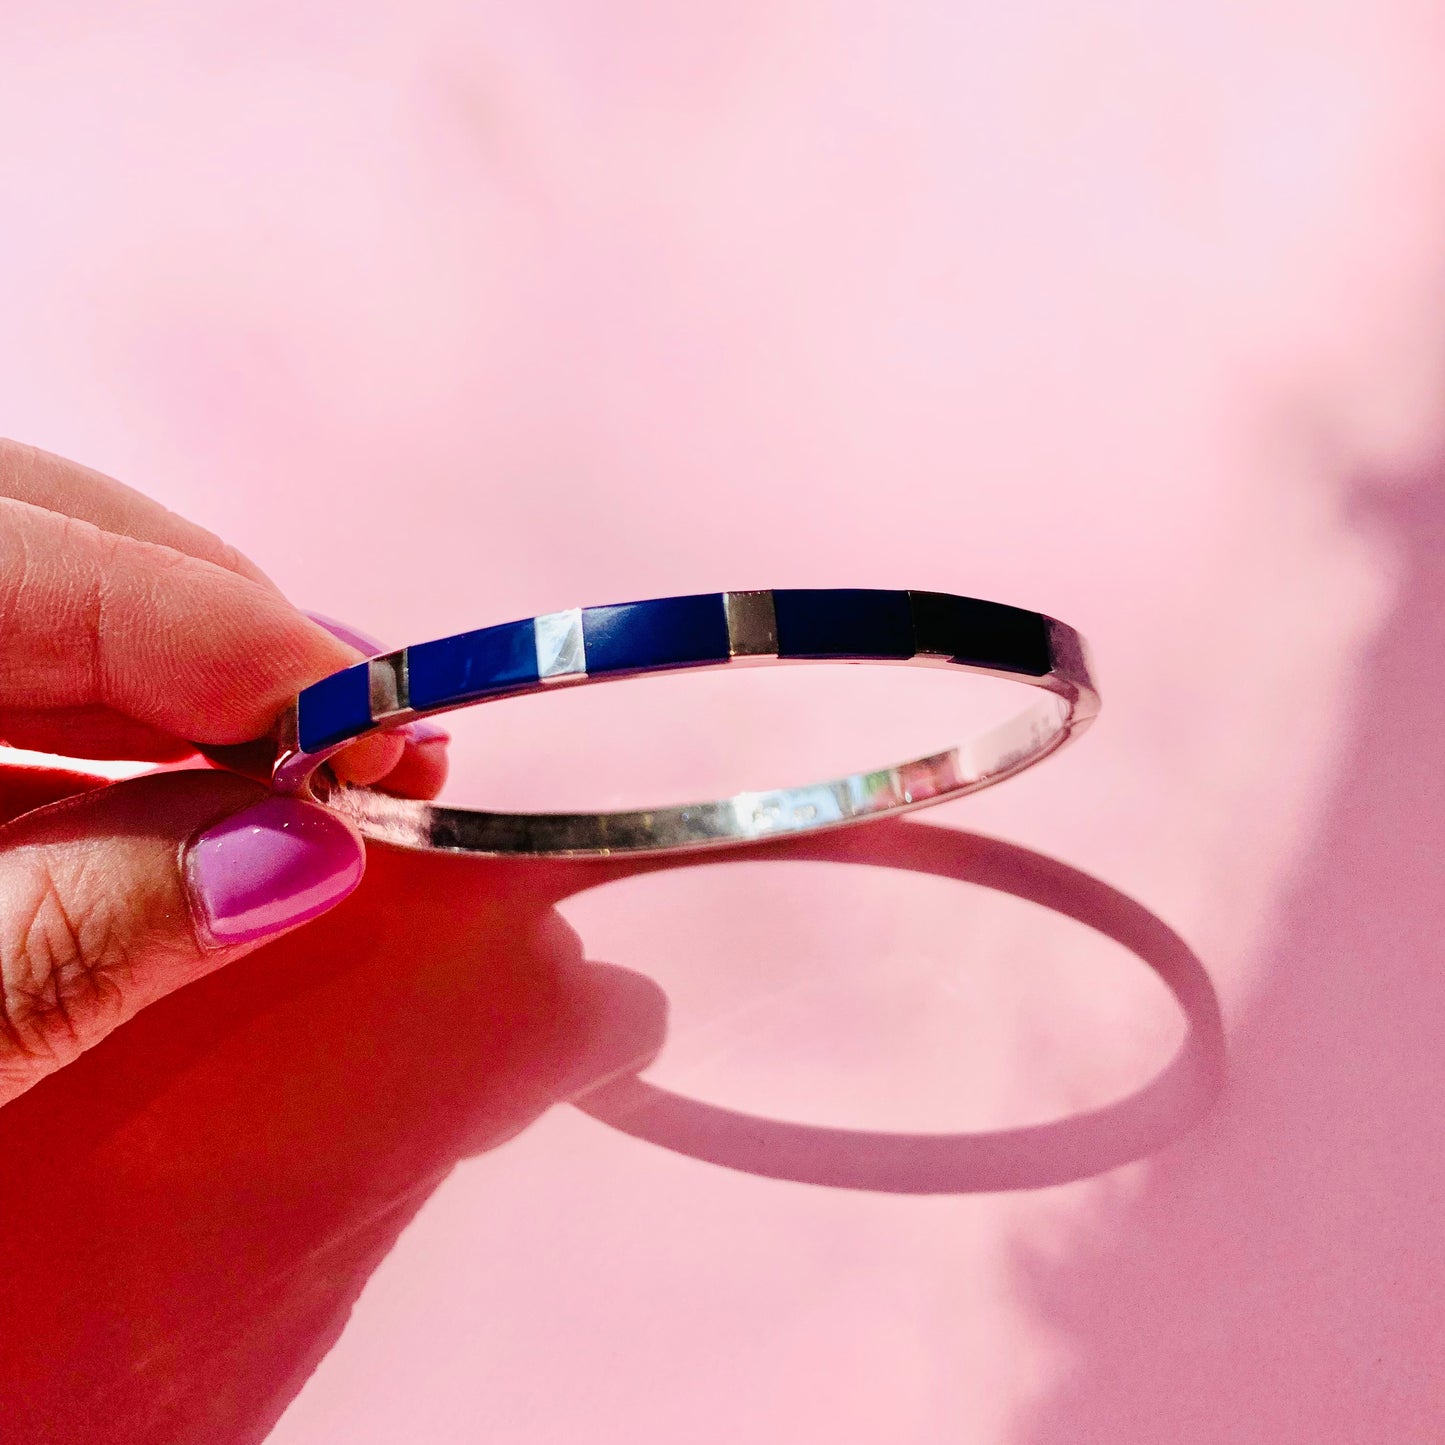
[(1030, 1157)]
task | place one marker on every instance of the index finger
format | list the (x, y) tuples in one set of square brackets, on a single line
[(28, 474), (88, 617)]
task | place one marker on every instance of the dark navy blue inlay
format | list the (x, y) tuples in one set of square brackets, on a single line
[(981, 634), (846, 622), (334, 709), (648, 636), (471, 665)]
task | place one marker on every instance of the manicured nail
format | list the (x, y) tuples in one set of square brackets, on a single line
[(361, 641), (269, 867), (424, 730)]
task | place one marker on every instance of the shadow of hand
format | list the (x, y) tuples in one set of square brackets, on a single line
[(188, 1212)]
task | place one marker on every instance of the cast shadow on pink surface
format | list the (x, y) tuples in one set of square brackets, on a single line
[(1280, 1279), (190, 1211), (1031, 1157)]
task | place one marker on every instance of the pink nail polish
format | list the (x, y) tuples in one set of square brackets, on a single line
[(269, 867), (423, 730), (361, 641)]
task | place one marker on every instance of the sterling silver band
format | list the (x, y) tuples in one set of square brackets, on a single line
[(581, 646)]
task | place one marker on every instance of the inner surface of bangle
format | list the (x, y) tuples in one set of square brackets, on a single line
[(743, 817)]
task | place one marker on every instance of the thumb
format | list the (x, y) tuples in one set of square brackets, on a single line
[(113, 898)]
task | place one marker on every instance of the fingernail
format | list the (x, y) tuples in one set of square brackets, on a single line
[(423, 730), (269, 867), (361, 641)]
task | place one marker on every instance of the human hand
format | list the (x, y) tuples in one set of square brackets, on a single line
[(128, 632)]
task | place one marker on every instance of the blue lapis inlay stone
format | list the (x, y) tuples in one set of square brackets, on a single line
[(982, 634), (472, 665), (845, 622), (334, 709), (651, 636)]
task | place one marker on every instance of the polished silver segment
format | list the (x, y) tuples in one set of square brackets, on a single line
[(752, 624), (745, 818), (288, 739), (1072, 673), (559, 645), (1012, 745), (388, 685), (1069, 704)]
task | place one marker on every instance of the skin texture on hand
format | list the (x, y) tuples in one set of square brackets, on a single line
[(125, 631)]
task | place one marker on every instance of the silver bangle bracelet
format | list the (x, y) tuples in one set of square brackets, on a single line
[(720, 629)]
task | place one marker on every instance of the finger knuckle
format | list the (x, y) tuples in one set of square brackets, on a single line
[(65, 966), (52, 606)]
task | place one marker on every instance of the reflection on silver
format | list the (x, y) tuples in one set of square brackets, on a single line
[(388, 685), (745, 818), (752, 624), (559, 645)]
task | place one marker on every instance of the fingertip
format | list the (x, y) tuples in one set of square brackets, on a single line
[(269, 867), (421, 772), (369, 759)]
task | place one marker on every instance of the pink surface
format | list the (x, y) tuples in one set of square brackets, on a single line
[(453, 314)]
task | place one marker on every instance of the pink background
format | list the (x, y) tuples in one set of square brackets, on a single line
[(449, 314)]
